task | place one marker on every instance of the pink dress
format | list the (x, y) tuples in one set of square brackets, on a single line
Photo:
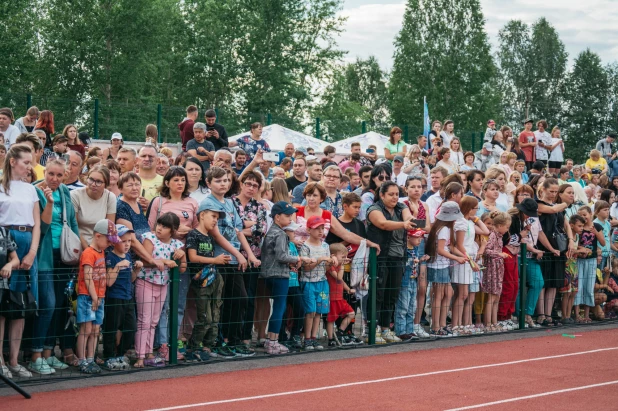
[(494, 265)]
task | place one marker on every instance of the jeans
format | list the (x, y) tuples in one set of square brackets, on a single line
[(406, 308), (47, 306), (162, 335), (61, 325), (119, 315), (295, 301), (278, 288), (208, 304), (234, 303)]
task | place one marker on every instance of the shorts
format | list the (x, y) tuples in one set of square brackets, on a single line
[(571, 277), (338, 309), (85, 313), (316, 297), (543, 161), (439, 275), (421, 250), (475, 286), (554, 164)]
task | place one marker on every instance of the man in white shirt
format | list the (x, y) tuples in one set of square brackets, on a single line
[(398, 175), (543, 139), (10, 131)]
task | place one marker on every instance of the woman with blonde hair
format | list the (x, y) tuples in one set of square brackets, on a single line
[(498, 174), (413, 163), (447, 134), (457, 154), (280, 191), (556, 151)]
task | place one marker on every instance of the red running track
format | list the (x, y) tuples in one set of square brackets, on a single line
[(437, 379)]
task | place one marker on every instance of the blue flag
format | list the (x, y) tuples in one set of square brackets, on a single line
[(426, 123)]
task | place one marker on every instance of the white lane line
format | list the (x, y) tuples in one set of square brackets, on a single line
[(402, 377), (527, 397)]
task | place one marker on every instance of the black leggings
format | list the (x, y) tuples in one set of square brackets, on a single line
[(388, 282), (235, 302)]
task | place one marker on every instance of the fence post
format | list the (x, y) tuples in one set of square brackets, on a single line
[(363, 127), (406, 134), (217, 115), (159, 121), (173, 316), (317, 128), (96, 118), (473, 141), (373, 274), (269, 119), (523, 290), (28, 101)]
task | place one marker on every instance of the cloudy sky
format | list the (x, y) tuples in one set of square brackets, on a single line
[(373, 24)]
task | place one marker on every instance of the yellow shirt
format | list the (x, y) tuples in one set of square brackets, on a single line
[(601, 164), (150, 188), (39, 172)]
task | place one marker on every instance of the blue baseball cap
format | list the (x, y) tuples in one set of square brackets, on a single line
[(212, 204), (123, 229), (281, 207)]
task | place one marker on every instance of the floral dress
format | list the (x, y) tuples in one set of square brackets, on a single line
[(253, 211), (494, 265), (161, 251)]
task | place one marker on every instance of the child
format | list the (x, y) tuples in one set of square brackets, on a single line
[(151, 287), (601, 212), (611, 306), (494, 269), (276, 271), (339, 308), (91, 287), (520, 166), (295, 296), (475, 287), (441, 249), (571, 279), (406, 303), (313, 281), (119, 305), (9, 261), (206, 282), (590, 238)]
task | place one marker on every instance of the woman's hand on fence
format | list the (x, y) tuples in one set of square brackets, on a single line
[(6, 271)]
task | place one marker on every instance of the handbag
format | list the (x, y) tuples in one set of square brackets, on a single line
[(17, 304), (560, 239), (359, 264), (70, 244)]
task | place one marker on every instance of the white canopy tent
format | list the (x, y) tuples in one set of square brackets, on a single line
[(371, 138), (278, 136)]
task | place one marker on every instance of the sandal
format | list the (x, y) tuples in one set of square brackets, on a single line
[(72, 360), (138, 365), (531, 324), (546, 323), (580, 320)]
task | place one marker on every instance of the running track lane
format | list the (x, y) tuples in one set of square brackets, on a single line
[(442, 383)]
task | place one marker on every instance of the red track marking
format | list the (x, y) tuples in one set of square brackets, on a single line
[(440, 391)]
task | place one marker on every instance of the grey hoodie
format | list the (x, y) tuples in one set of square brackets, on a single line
[(276, 258)]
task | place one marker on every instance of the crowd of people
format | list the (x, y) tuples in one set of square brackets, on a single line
[(269, 250)]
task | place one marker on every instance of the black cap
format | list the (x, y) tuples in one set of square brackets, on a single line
[(529, 207), (528, 120), (281, 207), (85, 138)]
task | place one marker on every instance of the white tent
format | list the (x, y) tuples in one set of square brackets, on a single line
[(278, 136), (365, 140)]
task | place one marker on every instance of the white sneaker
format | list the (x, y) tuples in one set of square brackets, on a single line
[(420, 331), (20, 371), (4, 370), (40, 366), (390, 337)]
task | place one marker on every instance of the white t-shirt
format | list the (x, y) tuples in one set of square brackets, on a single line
[(433, 203), (16, 208), (541, 152), (503, 200), (557, 154), (457, 157), (400, 179), (10, 135), (446, 139), (441, 261), (88, 211)]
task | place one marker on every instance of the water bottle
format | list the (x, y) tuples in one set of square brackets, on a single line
[(68, 291)]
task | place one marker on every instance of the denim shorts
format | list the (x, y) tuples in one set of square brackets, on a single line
[(85, 313), (475, 286), (316, 297), (439, 275), (421, 250)]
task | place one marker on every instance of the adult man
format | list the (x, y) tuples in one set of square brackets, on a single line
[(215, 133), (437, 174), (310, 151), (569, 164), (288, 151), (605, 146), (35, 144), (353, 161), (10, 131), (365, 179), (483, 158), (366, 159), (333, 201), (74, 168), (126, 159), (527, 142), (422, 143), (398, 176), (543, 139), (201, 148), (490, 132), (298, 174), (266, 170), (223, 159), (314, 175), (241, 162), (186, 126), (151, 181)]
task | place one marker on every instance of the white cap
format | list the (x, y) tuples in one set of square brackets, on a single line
[(310, 157), (381, 161), (116, 136)]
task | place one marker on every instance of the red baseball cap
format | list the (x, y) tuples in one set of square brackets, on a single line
[(315, 221), (416, 233)]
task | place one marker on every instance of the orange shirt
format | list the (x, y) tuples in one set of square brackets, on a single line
[(96, 260)]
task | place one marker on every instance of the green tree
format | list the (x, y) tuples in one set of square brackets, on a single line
[(442, 52), (587, 103), (367, 85)]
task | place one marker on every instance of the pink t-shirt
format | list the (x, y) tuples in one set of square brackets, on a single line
[(186, 210), (345, 164)]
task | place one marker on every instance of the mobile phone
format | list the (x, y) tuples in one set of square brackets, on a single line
[(271, 156), (143, 192), (370, 151), (419, 223)]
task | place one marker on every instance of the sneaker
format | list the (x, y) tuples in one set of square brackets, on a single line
[(390, 337), (223, 352), (355, 340), (308, 345), (316, 344), (297, 342), (154, 362), (112, 364), (56, 364), (448, 332), (261, 342), (89, 367), (193, 356), (124, 362), (338, 334), (420, 331), (438, 334), (244, 350), (379, 339), (346, 340), (4, 370), (182, 348), (41, 367), (332, 343), (275, 348)]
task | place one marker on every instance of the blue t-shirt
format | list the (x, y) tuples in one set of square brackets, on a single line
[(227, 226), (56, 223), (121, 289), (138, 220), (293, 271)]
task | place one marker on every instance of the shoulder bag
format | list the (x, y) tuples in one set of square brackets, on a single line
[(70, 244)]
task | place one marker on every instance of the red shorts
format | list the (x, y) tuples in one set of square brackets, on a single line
[(338, 309)]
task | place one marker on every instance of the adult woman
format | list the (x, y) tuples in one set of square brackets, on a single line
[(163, 163), (414, 163), (196, 179), (27, 123), (457, 154), (446, 162), (395, 146), (498, 146), (475, 180), (110, 153), (447, 133), (387, 224), (554, 224), (74, 143), (280, 191), (515, 148), (419, 211), (20, 215), (152, 135), (114, 175), (507, 135), (93, 203), (596, 164), (498, 174), (46, 123), (468, 162), (252, 143), (379, 174), (556, 151), (491, 192), (53, 274)]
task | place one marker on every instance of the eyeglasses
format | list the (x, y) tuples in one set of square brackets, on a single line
[(517, 180), (251, 185), (526, 195), (96, 183)]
